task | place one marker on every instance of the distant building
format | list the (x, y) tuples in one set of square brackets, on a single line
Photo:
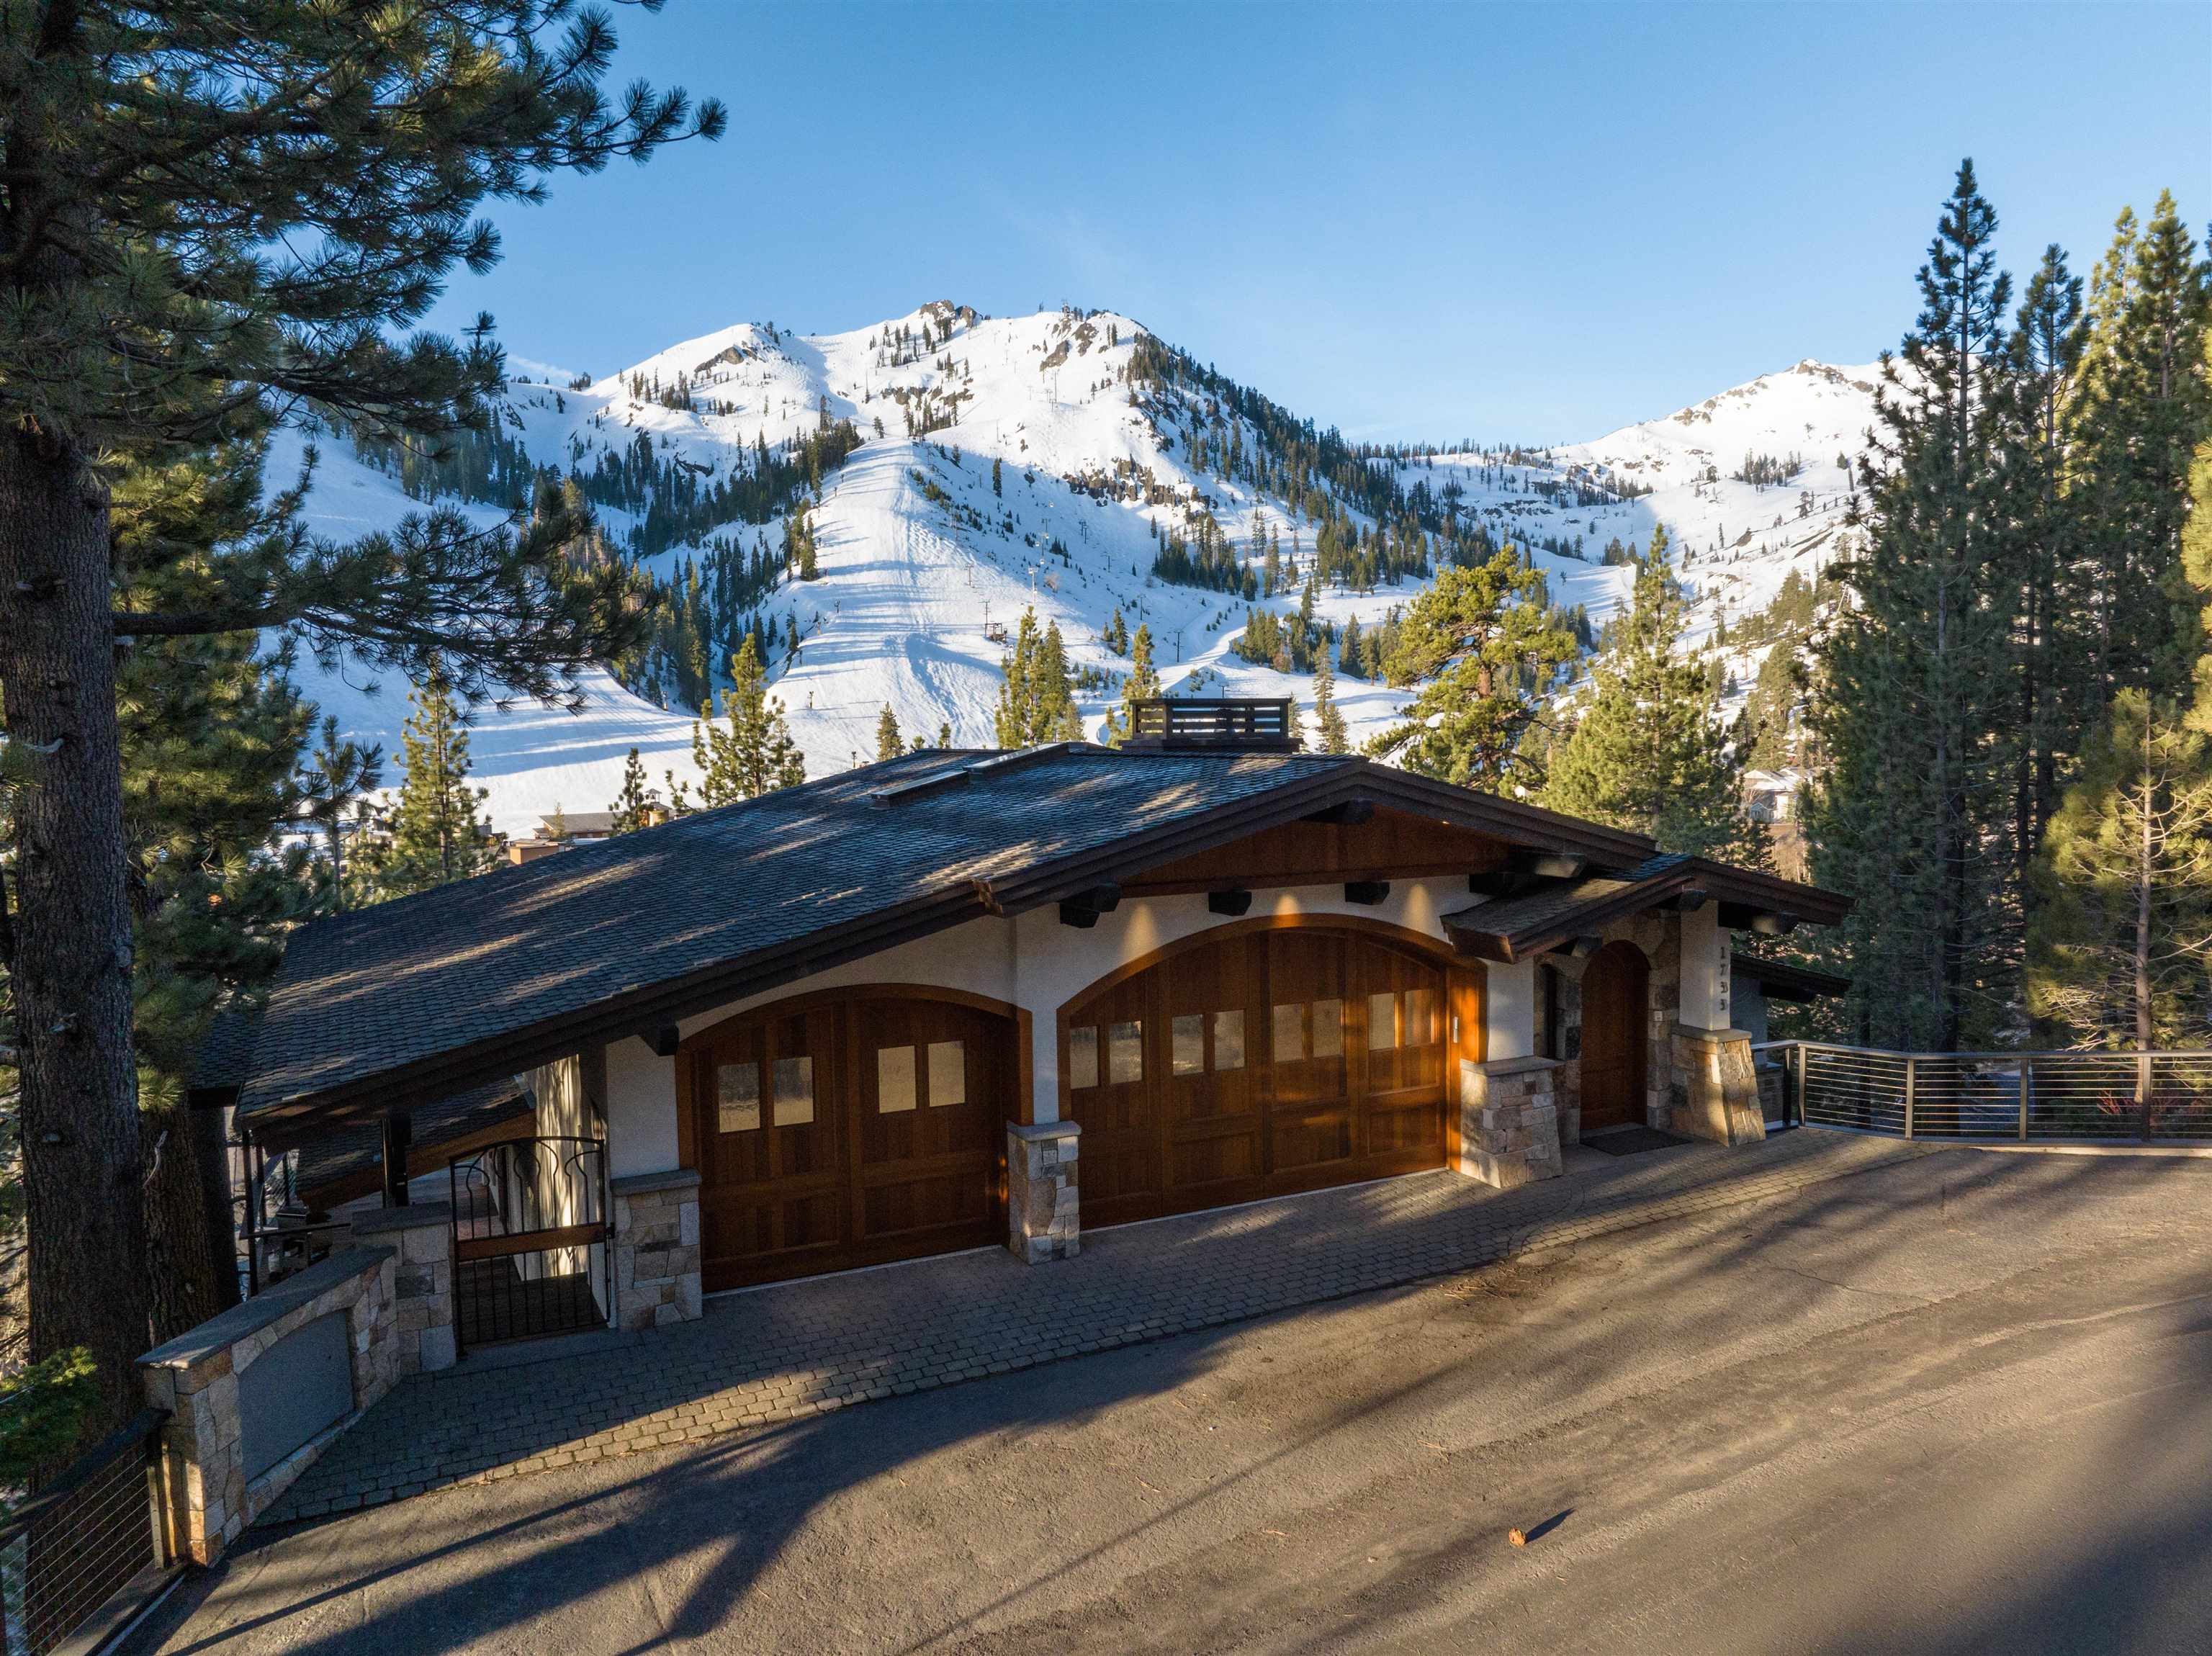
[(582, 828)]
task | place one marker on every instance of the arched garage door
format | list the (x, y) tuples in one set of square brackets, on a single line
[(848, 1128), (1267, 1060)]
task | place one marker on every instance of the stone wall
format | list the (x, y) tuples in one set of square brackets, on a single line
[(1043, 1211), (1714, 1090), (421, 1235), (1509, 1125), (656, 1248), (208, 1498)]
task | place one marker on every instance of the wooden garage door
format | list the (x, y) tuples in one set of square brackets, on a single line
[(847, 1130), (1274, 1060)]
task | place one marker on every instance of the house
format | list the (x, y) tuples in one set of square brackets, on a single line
[(958, 998), (580, 828)]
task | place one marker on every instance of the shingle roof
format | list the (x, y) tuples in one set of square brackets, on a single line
[(369, 994), (416, 999), (1520, 928)]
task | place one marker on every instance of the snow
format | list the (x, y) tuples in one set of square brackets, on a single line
[(908, 582)]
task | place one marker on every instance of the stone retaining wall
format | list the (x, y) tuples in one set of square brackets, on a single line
[(420, 1234), (209, 1499)]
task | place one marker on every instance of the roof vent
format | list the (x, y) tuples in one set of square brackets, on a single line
[(1182, 725)]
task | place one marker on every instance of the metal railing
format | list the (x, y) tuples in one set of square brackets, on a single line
[(532, 1252), (84, 1555), (2076, 1097)]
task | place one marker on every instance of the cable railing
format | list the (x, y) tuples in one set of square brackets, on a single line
[(82, 1556), (2069, 1097)]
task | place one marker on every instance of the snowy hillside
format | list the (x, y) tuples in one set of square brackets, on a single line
[(921, 559)]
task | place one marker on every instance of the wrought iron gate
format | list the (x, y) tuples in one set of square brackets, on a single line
[(532, 1249)]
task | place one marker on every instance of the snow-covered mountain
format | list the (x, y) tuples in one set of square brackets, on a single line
[(924, 557)]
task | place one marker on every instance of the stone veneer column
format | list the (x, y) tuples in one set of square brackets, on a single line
[(1508, 1125), (1715, 1090), (656, 1248), (1043, 1220), (421, 1235)]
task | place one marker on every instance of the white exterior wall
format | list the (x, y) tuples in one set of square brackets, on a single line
[(1508, 1011), (1034, 962), (1705, 969)]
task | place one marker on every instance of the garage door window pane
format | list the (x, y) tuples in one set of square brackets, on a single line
[(894, 1079), (794, 1091), (1229, 1039), (1189, 1047), (1328, 1028), (1125, 1053), (1381, 1022), (1082, 1057), (948, 1074), (736, 1091), (1290, 1044), (1420, 1017)]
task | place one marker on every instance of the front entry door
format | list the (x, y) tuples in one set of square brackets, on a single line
[(847, 1130), (1616, 1037)]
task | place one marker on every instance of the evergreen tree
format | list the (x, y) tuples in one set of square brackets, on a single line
[(1036, 696), (889, 743), (2118, 951), (1648, 752), (1912, 688), (332, 788), (637, 806), (750, 753), (210, 217), (1329, 732), (2056, 643), (1349, 649), (1485, 652), (1143, 684), (2143, 407), (1770, 713), (437, 836)]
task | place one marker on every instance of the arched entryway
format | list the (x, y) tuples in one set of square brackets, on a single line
[(1616, 1037), (1262, 1059), (849, 1127)]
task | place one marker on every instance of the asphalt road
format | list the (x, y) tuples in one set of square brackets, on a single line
[(1963, 1403)]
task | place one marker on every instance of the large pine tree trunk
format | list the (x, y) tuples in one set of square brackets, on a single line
[(70, 924)]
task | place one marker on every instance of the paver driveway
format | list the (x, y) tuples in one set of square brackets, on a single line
[(803, 1348), (1958, 1402)]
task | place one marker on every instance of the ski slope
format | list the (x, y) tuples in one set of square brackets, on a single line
[(918, 554)]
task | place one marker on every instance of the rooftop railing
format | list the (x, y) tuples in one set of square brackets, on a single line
[(2042, 1097), (1175, 721)]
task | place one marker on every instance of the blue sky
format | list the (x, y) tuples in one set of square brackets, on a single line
[(1534, 222)]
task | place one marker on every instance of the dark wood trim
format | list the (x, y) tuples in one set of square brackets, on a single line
[(1383, 931), (422, 1158), (528, 1241), (808, 999)]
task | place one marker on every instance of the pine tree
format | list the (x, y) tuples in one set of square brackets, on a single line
[(187, 253), (1349, 649), (2118, 950), (998, 480), (637, 806), (1912, 688), (889, 743), (750, 753), (1329, 730), (1036, 693), (2143, 408), (437, 834), (1648, 752), (1143, 684), (332, 788), (1484, 653)]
